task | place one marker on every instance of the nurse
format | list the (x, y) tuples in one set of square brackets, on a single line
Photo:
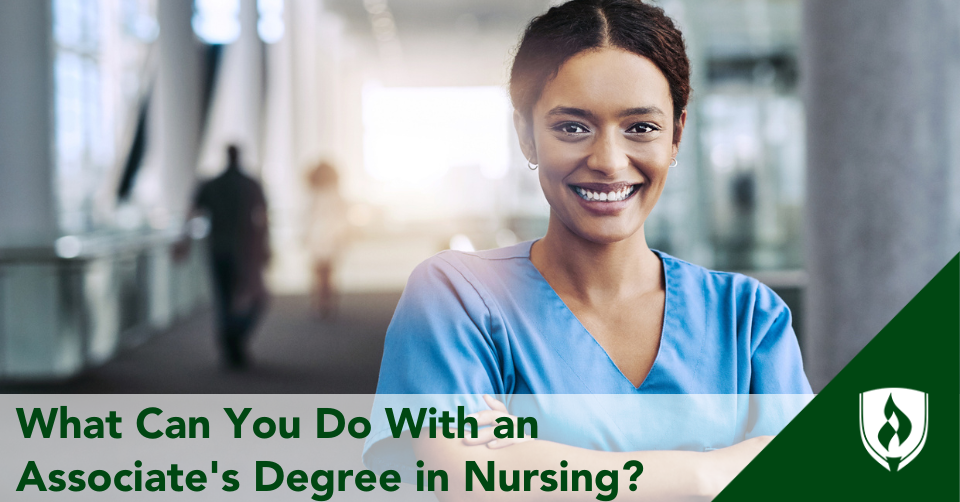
[(600, 89)]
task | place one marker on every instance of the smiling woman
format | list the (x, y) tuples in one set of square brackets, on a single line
[(604, 144), (599, 89)]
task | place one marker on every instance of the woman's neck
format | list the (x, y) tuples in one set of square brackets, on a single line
[(594, 272)]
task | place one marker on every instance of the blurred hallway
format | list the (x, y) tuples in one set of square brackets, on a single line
[(843, 196), (292, 354)]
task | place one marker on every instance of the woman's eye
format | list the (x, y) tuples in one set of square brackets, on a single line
[(643, 127), (571, 128)]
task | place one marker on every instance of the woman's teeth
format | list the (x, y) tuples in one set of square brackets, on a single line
[(605, 196)]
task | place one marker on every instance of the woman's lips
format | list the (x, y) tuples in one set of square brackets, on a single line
[(604, 199), (604, 195)]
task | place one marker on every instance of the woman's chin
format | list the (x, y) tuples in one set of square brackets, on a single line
[(606, 234), (600, 229)]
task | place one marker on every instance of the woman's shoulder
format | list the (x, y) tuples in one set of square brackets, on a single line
[(682, 268), (475, 267), (487, 257), (752, 324), (717, 285)]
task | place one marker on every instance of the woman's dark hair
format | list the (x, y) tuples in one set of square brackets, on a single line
[(566, 30)]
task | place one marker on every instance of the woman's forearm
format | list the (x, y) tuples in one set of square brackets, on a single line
[(667, 475)]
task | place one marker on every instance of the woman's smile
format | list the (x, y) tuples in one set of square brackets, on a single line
[(605, 198)]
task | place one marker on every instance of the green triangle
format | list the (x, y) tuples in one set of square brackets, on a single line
[(820, 455)]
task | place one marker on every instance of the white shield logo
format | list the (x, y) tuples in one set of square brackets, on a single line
[(893, 425)]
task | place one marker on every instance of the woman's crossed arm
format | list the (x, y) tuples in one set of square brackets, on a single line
[(535, 469)]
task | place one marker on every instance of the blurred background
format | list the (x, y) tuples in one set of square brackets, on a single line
[(820, 156)]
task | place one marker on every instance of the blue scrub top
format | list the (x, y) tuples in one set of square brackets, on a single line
[(489, 323)]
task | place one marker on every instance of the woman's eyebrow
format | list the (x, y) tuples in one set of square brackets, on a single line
[(643, 110), (569, 110), (580, 112)]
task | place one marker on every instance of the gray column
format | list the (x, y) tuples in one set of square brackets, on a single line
[(28, 216), (238, 101), (177, 106), (882, 88)]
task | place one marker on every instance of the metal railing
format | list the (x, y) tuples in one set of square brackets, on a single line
[(60, 315)]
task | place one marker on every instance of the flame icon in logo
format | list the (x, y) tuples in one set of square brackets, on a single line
[(902, 431), (887, 425)]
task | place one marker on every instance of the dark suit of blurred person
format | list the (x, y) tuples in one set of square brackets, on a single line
[(239, 251)]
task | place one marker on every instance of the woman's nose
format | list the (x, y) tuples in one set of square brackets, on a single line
[(607, 155)]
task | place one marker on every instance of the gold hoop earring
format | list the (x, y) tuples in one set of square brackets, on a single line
[(531, 166), (674, 163)]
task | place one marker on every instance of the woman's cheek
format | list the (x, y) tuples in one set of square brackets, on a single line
[(558, 162)]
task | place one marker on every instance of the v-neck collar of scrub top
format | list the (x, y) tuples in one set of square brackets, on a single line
[(582, 339)]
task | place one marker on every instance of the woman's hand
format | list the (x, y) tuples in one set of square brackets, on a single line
[(488, 417), (724, 464)]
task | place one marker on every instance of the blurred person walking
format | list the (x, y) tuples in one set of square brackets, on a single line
[(325, 235), (239, 251)]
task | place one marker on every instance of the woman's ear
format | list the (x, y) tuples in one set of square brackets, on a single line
[(525, 134), (678, 131)]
